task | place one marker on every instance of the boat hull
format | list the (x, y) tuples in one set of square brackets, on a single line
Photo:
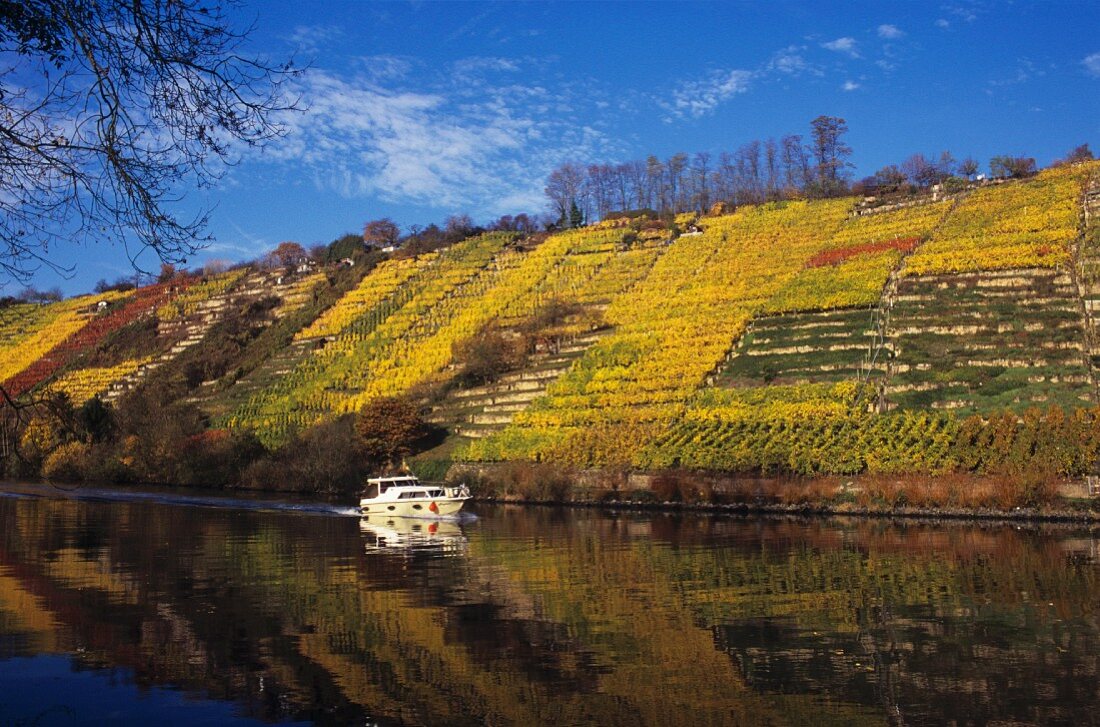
[(412, 508)]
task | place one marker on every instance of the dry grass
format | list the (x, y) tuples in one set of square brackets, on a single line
[(956, 491), (966, 491)]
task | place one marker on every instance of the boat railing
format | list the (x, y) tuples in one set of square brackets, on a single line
[(457, 490)]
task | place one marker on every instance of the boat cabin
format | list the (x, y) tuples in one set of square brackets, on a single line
[(420, 494), (412, 489)]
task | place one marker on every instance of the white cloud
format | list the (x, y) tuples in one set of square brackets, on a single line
[(310, 38), (1092, 64), (385, 68), (890, 32), (479, 147), (967, 11), (943, 23), (791, 62), (700, 97), (845, 45), (479, 65), (849, 86), (1025, 71)]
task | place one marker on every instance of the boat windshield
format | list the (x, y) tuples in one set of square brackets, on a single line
[(377, 485)]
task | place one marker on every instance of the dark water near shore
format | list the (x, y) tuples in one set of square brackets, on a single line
[(129, 607)]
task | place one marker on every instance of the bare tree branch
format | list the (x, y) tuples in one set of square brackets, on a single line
[(108, 108)]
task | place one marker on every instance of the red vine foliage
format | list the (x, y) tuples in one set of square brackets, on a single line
[(840, 254)]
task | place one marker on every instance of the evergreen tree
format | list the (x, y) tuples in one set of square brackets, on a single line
[(576, 217)]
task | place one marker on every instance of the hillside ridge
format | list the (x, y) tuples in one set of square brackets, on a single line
[(762, 339)]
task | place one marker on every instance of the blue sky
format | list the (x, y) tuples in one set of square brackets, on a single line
[(421, 110)]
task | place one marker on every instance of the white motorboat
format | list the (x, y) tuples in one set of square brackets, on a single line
[(406, 496)]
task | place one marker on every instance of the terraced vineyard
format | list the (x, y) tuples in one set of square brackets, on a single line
[(30, 331), (671, 331), (801, 348), (76, 330), (846, 315), (983, 342), (481, 411), (801, 336), (1024, 225)]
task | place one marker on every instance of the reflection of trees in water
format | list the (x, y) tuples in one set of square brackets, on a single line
[(929, 622), (563, 616)]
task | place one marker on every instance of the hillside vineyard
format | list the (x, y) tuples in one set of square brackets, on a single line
[(802, 336)]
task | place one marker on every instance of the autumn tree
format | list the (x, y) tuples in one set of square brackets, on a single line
[(287, 254), (168, 271), (890, 179), (388, 429), (108, 109), (381, 233), (1080, 153), (1013, 167), (483, 358)]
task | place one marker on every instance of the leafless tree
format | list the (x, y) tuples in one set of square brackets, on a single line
[(675, 168), (656, 183), (564, 187), (108, 108), (796, 162), (771, 169), (700, 179), (969, 167), (831, 153)]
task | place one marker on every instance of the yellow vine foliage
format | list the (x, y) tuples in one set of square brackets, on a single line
[(296, 294), (672, 329), (33, 333), (857, 281), (187, 302), (83, 384), (373, 289), (1020, 224)]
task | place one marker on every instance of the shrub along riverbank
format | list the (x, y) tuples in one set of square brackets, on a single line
[(954, 496), (929, 461)]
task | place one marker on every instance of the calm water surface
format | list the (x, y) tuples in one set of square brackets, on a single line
[(132, 607)]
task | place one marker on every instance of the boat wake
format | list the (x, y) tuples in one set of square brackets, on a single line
[(180, 500), (90, 494)]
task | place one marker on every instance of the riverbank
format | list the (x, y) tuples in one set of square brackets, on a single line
[(1066, 515), (953, 496)]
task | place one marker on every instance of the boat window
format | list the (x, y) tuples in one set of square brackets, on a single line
[(435, 493), (411, 495)]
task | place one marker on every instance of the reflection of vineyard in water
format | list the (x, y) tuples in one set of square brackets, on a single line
[(550, 617)]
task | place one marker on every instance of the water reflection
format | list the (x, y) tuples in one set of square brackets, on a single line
[(540, 616), (401, 533)]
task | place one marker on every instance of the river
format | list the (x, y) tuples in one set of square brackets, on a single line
[(126, 606)]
